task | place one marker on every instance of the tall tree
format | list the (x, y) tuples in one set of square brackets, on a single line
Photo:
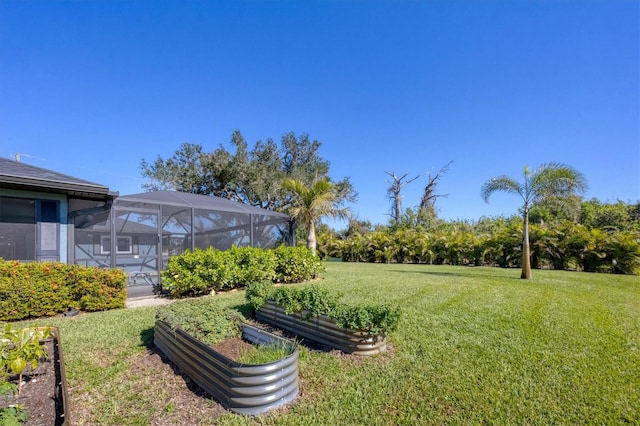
[(314, 202), (394, 193), (551, 179), (248, 175)]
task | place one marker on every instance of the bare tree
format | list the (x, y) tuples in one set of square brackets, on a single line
[(393, 192), (429, 195)]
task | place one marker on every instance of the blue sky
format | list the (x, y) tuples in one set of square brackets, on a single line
[(90, 88)]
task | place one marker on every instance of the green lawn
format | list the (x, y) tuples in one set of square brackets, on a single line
[(475, 345)]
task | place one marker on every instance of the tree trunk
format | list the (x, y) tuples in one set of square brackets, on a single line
[(311, 237), (398, 208), (526, 252)]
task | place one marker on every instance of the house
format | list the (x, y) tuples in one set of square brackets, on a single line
[(34, 210), (50, 216)]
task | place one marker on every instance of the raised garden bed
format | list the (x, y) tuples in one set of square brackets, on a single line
[(242, 388), (322, 329), (43, 395)]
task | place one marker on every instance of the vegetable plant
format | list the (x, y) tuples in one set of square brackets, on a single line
[(19, 348)]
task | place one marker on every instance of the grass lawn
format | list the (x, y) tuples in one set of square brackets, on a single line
[(475, 345)]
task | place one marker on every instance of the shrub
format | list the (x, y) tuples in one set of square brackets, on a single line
[(201, 271), (250, 265), (95, 289), (195, 273), (296, 264), (36, 289)]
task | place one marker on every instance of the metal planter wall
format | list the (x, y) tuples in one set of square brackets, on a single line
[(322, 329), (61, 395), (242, 388)]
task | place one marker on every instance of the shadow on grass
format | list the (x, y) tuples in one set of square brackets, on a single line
[(146, 336), (473, 272)]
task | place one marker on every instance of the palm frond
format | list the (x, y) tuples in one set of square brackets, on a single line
[(500, 183)]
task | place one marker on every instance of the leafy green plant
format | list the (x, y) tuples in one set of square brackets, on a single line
[(13, 415), (296, 264), (257, 294), (19, 348), (314, 300), (375, 319), (204, 318)]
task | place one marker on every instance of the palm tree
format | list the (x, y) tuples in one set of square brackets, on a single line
[(314, 202), (551, 179)]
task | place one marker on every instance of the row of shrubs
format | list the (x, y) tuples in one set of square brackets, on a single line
[(36, 289), (203, 271), (565, 246), (315, 300)]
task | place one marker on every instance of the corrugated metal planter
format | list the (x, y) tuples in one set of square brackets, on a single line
[(242, 388), (61, 395), (322, 329)]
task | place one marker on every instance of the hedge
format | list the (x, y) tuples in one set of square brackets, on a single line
[(36, 289), (203, 271)]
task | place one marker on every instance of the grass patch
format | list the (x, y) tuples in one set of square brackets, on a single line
[(264, 354), (474, 345)]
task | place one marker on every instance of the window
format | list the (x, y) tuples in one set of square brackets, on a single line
[(17, 228), (17, 210), (47, 211), (123, 245)]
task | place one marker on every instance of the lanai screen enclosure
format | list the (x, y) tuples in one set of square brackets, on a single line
[(139, 233)]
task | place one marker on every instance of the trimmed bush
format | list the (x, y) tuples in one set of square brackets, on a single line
[(36, 289), (202, 271), (296, 264)]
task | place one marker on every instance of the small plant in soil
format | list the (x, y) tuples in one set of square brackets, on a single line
[(19, 348)]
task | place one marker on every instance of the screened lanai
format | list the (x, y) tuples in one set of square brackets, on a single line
[(139, 233)]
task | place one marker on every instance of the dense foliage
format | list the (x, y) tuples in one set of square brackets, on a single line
[(296, 264), (494, 242), (251, 176), (36, 289), (202, 271), (314, 300)]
